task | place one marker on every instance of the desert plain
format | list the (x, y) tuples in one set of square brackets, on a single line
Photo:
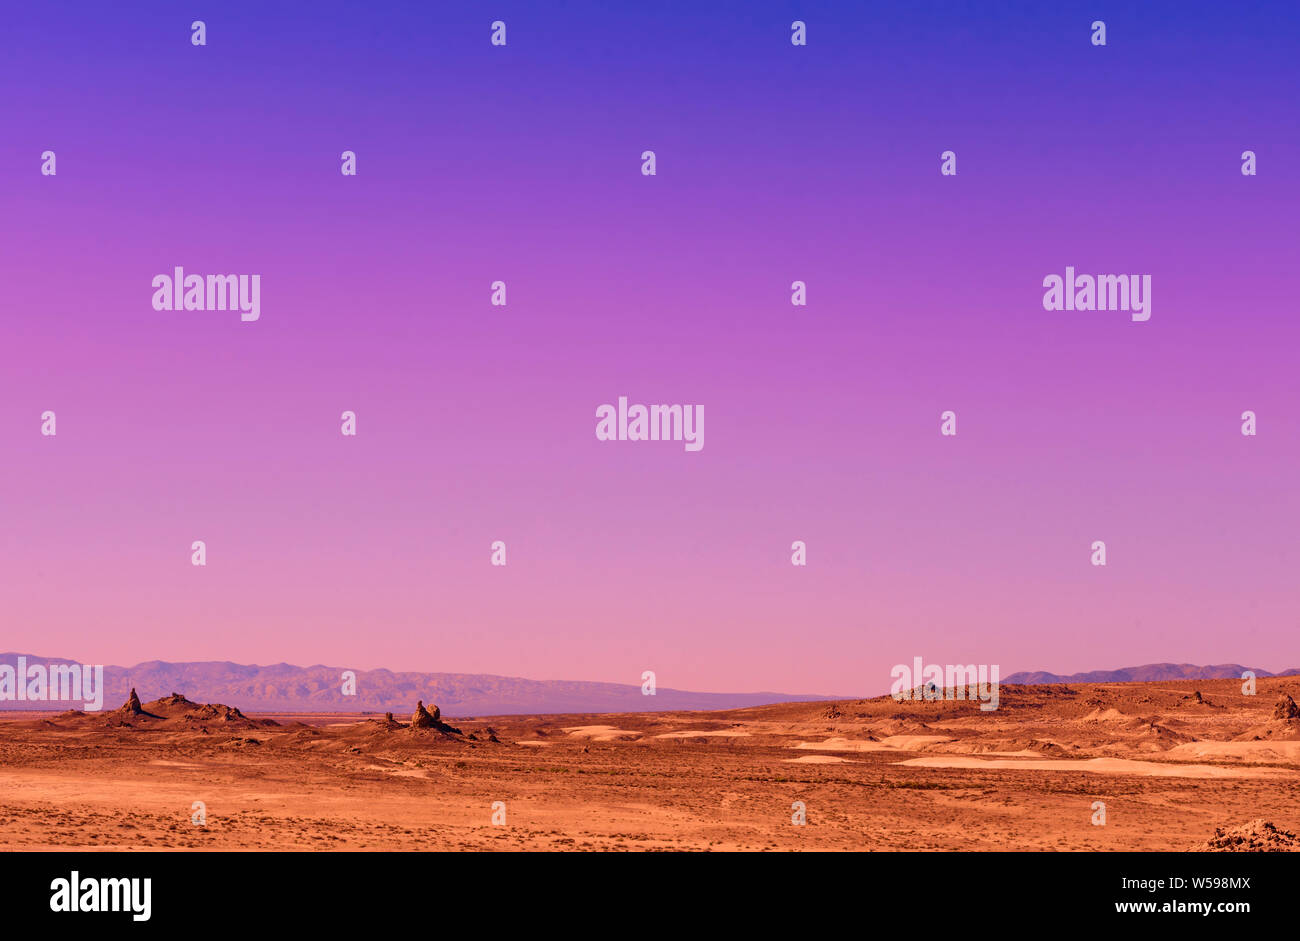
[(1181, 765)]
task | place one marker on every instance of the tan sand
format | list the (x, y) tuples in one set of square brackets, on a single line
[(1173, 771)]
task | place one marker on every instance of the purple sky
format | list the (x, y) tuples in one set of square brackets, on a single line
[(476, 423)]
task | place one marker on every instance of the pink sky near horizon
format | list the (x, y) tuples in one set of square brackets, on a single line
[(373, 552)]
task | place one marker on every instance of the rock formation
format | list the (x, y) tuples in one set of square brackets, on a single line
[(1286, 708), (422, 719), (1258, 836), (389, 724)]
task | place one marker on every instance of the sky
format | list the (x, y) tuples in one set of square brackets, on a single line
[(475, 423)]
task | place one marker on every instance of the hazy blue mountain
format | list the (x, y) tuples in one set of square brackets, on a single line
[(282, 687)]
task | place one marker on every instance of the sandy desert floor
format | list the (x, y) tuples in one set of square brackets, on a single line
[(1173, 763)]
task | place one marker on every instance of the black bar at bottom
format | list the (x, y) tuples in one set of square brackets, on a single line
[(236, 890)]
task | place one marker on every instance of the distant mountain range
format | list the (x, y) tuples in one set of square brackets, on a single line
[(286, 688), (1150, 672), (283, 687)]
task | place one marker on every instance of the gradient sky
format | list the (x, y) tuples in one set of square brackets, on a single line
[(476, 423)]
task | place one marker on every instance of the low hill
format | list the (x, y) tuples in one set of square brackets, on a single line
[(1147, 673)]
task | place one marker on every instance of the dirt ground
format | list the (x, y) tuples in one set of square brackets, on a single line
[(1173, 763)]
